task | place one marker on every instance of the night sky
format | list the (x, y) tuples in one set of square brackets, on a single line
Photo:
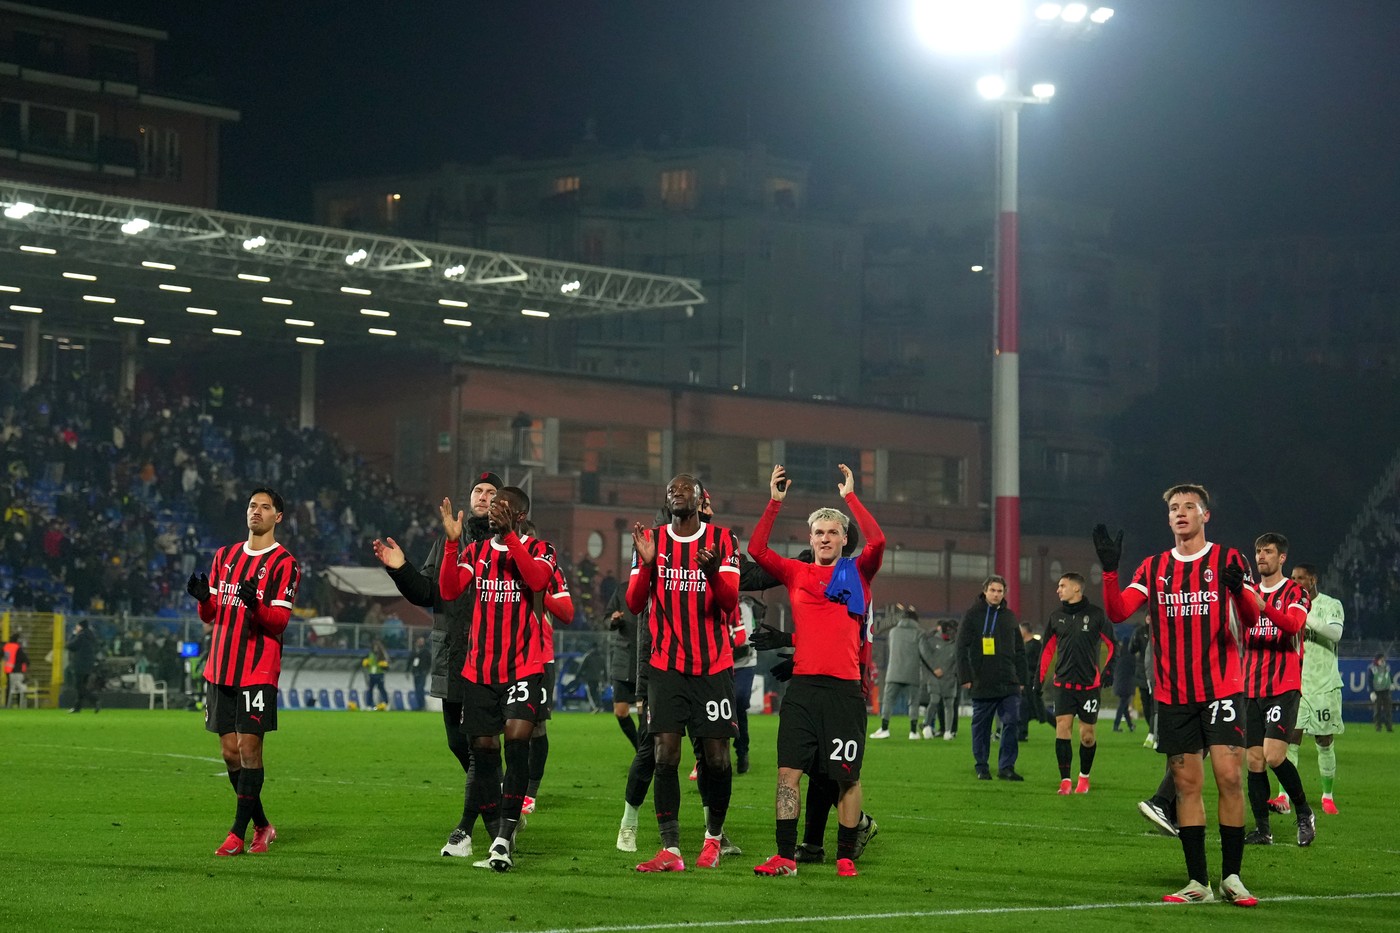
[(1192, 119)]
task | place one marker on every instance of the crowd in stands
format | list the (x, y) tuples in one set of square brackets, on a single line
[(1370, 581)]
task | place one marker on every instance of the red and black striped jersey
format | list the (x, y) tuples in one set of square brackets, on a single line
[(1195, 634), (1074, 635), (689, 619), (503, 637), (246, 643), (559, 607), (1273, 658)]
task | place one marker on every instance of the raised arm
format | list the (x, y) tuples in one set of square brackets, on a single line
[(775, 564)]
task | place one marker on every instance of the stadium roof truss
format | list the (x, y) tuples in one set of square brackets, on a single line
[(220, 255)]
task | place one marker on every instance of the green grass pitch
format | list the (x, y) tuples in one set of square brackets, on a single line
[(112, 819)]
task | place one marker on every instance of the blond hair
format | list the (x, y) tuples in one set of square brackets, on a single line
[(829, 515)]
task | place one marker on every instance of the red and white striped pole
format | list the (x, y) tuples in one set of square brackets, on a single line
[(1006, 368)]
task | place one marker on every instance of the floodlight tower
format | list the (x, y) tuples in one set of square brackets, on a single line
[(995, 27)]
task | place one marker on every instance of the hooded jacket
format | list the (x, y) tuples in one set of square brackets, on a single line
[(1002, 672)]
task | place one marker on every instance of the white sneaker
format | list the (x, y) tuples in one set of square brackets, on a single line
[(915, 735), (627, 839), (1193, 893), (500, 860), (1150, 741), (928, 732), (881, 733), (459, 844), (1233, 891), (947, 736)]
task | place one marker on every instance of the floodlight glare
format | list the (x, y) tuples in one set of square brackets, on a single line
[(452, 303), (1047, 11), (162, 341), (129, 320), (135, 225), (1042, 91), (357, 256), (530, 312), (19, 210), (569, 288), (312, 341), (256, 242), (1102, 15), (456, 322), (992, 87), (968, 27), (1074, 12), (451, 272)]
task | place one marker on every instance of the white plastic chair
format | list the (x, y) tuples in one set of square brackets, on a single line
[(147, 684)]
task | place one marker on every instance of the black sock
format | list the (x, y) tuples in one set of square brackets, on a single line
[(539, 754), (720, 789), (885, 724), (517, 778), (1259, 798), (484, 788), (1193, 846), (821, 797), (1231, 849), (256, 778), (1063, 757), (704, 781), (787, 838), (667, 801), (629, 729), (1086, 758), (1292, 782), (639, 773), (249, 786), (233, 779), (845, 841), (913, 726)]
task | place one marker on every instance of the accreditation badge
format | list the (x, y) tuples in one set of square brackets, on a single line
[(989, 645)]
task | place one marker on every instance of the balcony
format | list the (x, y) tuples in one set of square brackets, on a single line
[(109, 155)]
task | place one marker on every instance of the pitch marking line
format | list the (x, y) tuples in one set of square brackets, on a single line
[(123, 751), (958, 912)]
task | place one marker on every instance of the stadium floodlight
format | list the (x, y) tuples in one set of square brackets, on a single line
[(226, 331), (568, 288), (1043, 91), (530, 312), (456, 322), (19, 210), (80, 276), (207, 312), (10, 288), (297, 322), (41, 250), (358, 256), (253, 277), (161, 341), (175, 288), (976, 268), (452, 272), (352, 290), (254, 242), (163, 266), (374, 312), (1048, 11), (100, 299), (129, 320), (27, 309), (1102, 15), (1074, 12), (968, 27), (992, 87), (453, 303), (267, 299), (135, 225), (311, 341), (382, 332)]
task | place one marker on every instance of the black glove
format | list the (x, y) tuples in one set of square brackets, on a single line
[(1234, 578), (768, 638), (1110, 550), (198, 587), (248, 593), (1106, 678), (782, 671)]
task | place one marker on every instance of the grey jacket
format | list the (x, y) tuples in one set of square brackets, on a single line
[(902, 666)]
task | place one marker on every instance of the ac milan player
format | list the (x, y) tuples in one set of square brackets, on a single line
[(450, 620), (1189, 591), (245, 602), (689, 570), (1273, 680), (1074, 635), (823, 717), (558, 606), (504, 669)]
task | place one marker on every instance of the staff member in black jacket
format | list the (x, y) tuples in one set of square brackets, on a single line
[(992, 665), (449, 637)]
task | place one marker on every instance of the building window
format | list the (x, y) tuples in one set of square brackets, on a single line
[(34, 50), (678, 188), (927, 479), (969, 566), (566, 184), (160, 152), (57, 130)]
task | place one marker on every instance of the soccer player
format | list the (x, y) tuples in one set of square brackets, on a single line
[(245, 602), (823, 716), (1273, 655), (449, 639), (689, 570), (558, 606), (1189, 591), (1320, 706), (1073, 636), (504, 669)]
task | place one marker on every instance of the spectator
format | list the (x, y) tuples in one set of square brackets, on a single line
[(901, 668)]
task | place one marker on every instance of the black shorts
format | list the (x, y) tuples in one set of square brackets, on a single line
[(1271, 717), (551, 682), (1187, 728), (701, 704), (486, 707), (248, 710), (822, 727), (1081, 704), (624, 691)]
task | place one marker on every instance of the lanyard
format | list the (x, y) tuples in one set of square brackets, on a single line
[(989, 623)]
